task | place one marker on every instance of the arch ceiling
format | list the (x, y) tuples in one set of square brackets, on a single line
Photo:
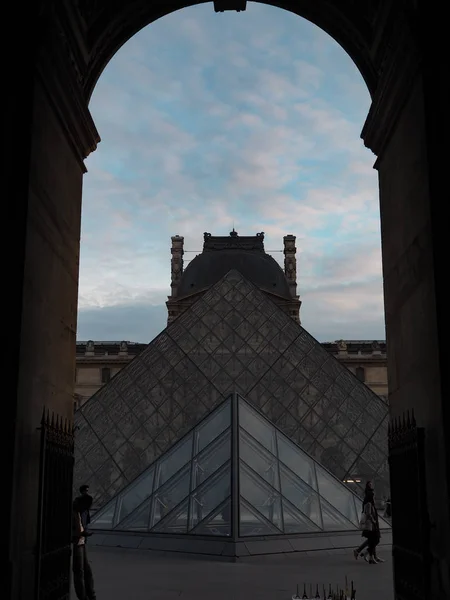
[(111, 23)]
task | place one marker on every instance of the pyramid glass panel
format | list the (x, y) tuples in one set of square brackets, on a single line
[(135, 494), (257, 426), (209, 496), (104, 518), (337, 495), (296, 522), (212, 427), (332, 519), (170, 494), (275, 489), (300, 495), (217, 523), (262, 462), (175, 522), (227, 340), (212, 458), (173, 461), (252, 523), (138, 520), (260, 496), (298, 462)]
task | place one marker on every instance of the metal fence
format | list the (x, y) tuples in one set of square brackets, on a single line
[(410, 519), (53, 548)]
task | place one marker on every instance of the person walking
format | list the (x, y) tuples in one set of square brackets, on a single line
[(86, 516), (370, 526), (83, 579)]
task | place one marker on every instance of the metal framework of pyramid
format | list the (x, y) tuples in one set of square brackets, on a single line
[(234, 475), (234, 339)]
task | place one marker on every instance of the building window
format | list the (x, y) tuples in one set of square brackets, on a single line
[(106, 374), (360, 373)]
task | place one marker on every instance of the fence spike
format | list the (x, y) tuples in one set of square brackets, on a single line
[(413, 418), (53, 420)]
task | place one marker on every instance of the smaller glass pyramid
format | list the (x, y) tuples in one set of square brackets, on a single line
[(234, 474)]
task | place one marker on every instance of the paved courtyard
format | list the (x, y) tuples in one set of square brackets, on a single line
[(122, 574)]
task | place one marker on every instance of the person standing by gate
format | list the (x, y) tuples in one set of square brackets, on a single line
[(370, 526), (83, 579)]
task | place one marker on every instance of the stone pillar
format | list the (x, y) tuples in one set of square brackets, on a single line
[(51, 134), (290, 271), (290, 263), (406, 129), (176, 263)]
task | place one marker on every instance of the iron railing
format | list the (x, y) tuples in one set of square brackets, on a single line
[(410, 518), (53, 548)]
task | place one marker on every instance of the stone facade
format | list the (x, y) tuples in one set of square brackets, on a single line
[(97, 362)]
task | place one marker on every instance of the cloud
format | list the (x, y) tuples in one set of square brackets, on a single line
[(212, 120)]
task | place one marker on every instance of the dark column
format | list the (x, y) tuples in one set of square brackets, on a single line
[(51, 134), (402, 129)]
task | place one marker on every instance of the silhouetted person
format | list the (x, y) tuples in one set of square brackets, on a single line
[(371, 527), (86, 517), (83, 579), (388, 509)]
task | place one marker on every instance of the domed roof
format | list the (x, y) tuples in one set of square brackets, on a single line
[(222, 254)]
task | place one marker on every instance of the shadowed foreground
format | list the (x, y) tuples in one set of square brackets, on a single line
[(139, 575)]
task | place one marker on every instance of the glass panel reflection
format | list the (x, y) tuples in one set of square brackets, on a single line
[(337, 495), (169, 495), (176, 522), (138, 520), (206, 463), (332, 520), (299, 462), (104, 518), (134, 495), (259, 495), (251, 523), (300, 495), (261, 461), (257, 427), (217, 523), (208, 496), (295, 522), (212, 427), (173, 461)]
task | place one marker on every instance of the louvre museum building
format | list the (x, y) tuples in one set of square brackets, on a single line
[(234, 432)]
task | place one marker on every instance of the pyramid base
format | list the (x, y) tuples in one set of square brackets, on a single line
[(210, 547)]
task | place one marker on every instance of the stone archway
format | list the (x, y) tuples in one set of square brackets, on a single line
[(49, 132)]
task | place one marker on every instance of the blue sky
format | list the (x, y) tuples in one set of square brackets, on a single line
[(207, 120)]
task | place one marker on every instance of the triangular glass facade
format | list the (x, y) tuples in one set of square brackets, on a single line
[(233, 339), (235, 474), (182, 490)]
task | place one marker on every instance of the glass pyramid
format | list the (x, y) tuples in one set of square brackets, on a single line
[(235, 474), (233, 339)]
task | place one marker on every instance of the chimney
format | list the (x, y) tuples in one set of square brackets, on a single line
[(290, 263), (176, 262)]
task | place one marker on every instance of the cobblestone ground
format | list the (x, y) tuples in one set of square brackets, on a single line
[(122, 574)]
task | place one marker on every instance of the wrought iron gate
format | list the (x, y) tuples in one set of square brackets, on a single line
[(55, 509), (410, 519)]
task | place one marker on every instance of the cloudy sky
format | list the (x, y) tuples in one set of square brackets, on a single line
[(209, 120)]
